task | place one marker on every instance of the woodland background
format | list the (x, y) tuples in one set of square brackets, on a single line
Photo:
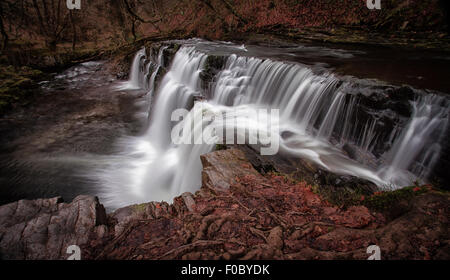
[(107, 23)]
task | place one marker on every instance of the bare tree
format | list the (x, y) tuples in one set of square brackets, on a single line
[(53, 19), (5, 37), (74, 30), (232, 10), (138, 18)]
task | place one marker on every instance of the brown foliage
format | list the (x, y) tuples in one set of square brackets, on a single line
[(114, 22)]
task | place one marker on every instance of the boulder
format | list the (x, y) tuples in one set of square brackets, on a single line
[(221, 168), (45, 228)]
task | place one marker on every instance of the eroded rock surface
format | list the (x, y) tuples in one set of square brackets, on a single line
[(44, 228), (221, 169), (241, 214)]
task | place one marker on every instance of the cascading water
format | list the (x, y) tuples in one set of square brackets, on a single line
[(136, 74), (319, 114), (315, 112), (153, 67), (417, 149), (151, 167)]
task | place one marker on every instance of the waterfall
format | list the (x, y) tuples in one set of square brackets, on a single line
[(319, 114), (136, 73), (316, 112), (150, 166), (418, 147), (310, 104), (156, 63)]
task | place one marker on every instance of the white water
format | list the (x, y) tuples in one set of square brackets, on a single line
[(150, 167), (418, 146), (136, 73), (316, 111)]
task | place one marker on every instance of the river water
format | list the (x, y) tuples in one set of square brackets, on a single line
[(350, 122)]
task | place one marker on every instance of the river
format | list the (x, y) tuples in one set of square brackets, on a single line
[(346, 109)]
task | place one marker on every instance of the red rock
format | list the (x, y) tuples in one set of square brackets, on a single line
[(354, 217)]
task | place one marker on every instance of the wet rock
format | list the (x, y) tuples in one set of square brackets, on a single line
[(122, 75), (374, 99), (440, 175), (198, 98), (188, 200), (213, 65), (169, 53), (221, 168), (261, 164), (403, 93), (44, 228), (352, 151), (396, 99), (304, 170)]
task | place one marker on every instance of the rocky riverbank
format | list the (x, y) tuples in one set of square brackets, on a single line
[(237, 214)]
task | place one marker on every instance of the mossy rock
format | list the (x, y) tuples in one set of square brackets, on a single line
[(140, 207), (394, 203), (17, 84), (343, 197), (213, 65), (391, 204), (169, 54), (221, 147), (215, 62)]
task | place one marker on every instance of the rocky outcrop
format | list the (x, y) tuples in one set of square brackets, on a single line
[(221, 169), (213, 65), (332, 185), (45, 228), (240, 214), (237, 214)]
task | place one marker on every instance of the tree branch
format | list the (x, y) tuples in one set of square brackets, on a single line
[(133, 14), (233, 11)]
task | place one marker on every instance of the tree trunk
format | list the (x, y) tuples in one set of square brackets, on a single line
[(5, 37), (233, 11), (74, 31), (133, 29)]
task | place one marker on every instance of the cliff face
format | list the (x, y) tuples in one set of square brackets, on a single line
[(237, 214)]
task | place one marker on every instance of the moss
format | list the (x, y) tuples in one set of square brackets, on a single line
[(215, 62), (176, 47), (391, 204), (140, 207), (385, 201), (341, 196), (220, 147), (286, 177), (213, 65), (17, 85), (169, 53)]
